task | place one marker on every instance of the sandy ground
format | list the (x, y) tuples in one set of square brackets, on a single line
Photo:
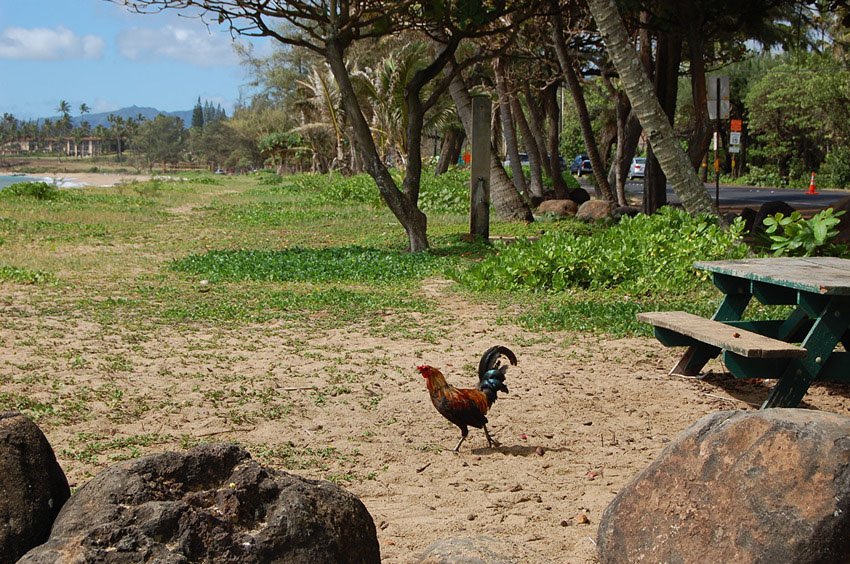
[(72, 179), (583, 416)]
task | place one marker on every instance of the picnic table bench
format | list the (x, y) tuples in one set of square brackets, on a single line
[(797, 348)]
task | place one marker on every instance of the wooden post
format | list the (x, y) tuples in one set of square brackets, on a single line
[(479, 210)]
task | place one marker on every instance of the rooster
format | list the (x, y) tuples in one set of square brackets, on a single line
[(467, 407)]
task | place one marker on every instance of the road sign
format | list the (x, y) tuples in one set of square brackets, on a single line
[(736, 125), (735, 138), (734, 148), (718, 87)]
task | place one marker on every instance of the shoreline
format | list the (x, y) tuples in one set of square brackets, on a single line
[(81, 179)]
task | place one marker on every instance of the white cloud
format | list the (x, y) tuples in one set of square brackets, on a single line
[(43, 44), (172, 42)]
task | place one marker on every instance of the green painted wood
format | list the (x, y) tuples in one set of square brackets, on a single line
[(730, 285), (771, 294), (743, 367), (826, 331), (836, 368), (820, 275), (732, 307)]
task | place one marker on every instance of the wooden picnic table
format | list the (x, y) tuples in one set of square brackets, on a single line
[(819, 290)]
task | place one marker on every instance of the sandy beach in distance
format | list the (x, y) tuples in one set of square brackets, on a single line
[(91, 178)]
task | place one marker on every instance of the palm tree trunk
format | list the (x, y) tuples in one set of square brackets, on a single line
[(568, 70), (553, 139), (538, 128), (506, 200), (671, 157), (508, 127), (450, 151), (536, 171)]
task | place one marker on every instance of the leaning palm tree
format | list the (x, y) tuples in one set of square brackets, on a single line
[(673, 160)]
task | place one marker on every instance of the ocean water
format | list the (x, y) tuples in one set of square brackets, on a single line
[(6, 180)]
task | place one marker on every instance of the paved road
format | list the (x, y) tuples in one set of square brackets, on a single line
[(747, 196)]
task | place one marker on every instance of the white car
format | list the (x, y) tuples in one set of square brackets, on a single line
[(638, 168), (523, 161)]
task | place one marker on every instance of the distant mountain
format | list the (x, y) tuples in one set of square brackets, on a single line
[(130, 112)]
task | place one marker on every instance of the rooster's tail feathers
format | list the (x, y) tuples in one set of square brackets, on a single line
[(491, 373), (490, 362)]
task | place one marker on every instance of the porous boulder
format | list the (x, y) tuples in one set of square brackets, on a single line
[(209, 504), (560, 208), (32, 486), (594, 210), (766, 486)]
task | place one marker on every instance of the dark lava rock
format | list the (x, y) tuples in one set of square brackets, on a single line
[(209, 504), (32, 486)]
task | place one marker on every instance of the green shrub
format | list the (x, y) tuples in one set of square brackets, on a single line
[(23, 275), (762, 176), (796, 236), (37, 190), (835, 170), (640, 255)]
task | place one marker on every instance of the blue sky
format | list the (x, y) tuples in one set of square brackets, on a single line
[(98, 53)]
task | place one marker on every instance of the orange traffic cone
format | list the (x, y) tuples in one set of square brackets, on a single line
[(812, 185)]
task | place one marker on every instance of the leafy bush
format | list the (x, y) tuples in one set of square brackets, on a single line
[(641, 255), (37, 190), (795, 236), (835, 170), (447, 193), (762, 176)]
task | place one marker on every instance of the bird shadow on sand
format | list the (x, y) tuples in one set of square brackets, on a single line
[(517, 450)]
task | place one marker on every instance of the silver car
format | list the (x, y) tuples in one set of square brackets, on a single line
[(638, 168)]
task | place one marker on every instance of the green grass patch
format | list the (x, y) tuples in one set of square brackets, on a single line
[(299, 264), (24, 275), (327, 304), (608, 314)]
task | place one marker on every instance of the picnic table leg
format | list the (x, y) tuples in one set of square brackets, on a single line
[(829, 327), (694, 359), (697, 356)]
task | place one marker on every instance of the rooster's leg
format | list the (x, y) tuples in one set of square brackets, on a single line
[(463, 433), (491, 442)]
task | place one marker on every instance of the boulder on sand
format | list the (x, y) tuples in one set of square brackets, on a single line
[(765, 486), (209, 504), (32, 486)]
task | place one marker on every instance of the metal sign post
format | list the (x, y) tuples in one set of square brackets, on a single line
[(718, 108)]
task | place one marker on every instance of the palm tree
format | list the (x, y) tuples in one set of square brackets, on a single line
[(385, 89), (673, 160), (323, 97), (64, 108)]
